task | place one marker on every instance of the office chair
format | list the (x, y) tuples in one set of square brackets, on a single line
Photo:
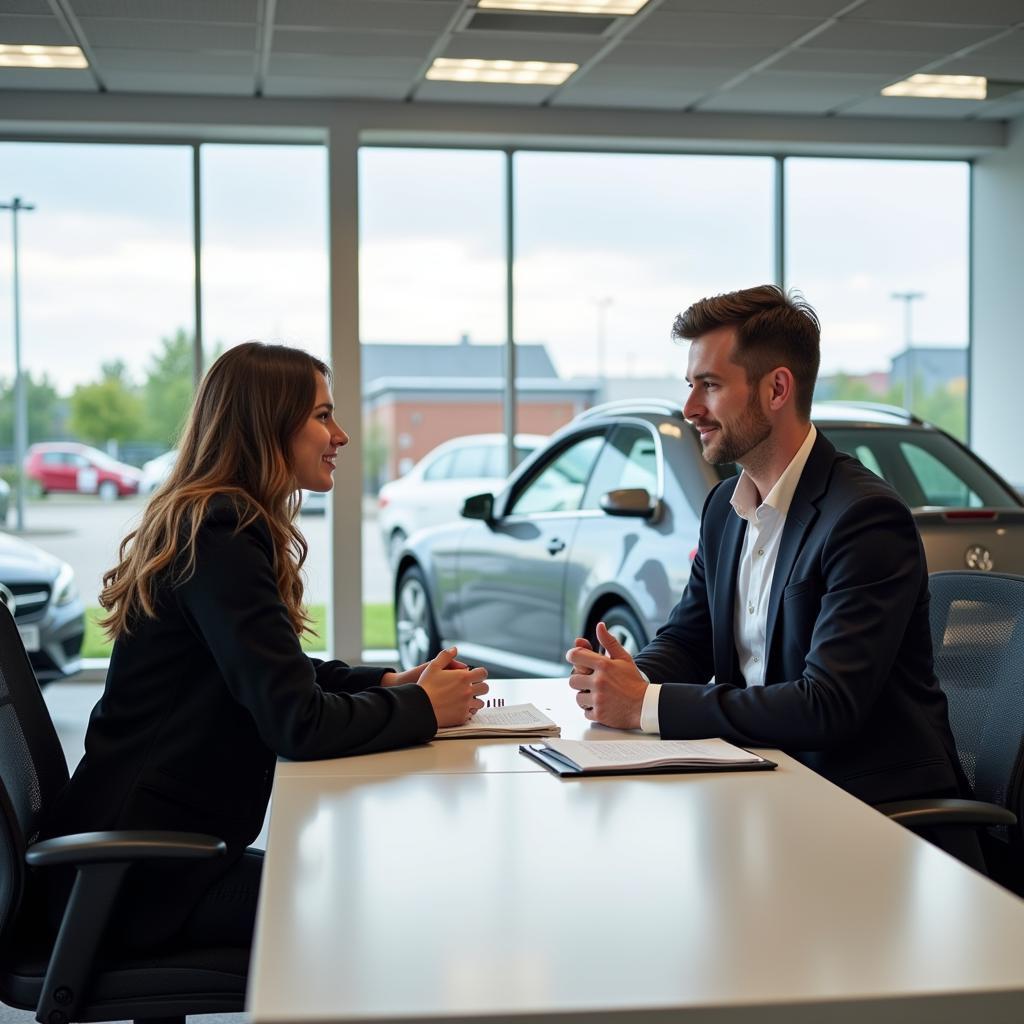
[(977, 624), (73, 978)]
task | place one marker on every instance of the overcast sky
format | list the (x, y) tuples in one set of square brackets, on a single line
[(616, 242)]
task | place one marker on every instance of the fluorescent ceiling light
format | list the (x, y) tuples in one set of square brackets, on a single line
[(13, 55), (940, 87), (513, 72), (566, 6)]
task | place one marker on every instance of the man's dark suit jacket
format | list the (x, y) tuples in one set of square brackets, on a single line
[(198, 704), (850, 686)]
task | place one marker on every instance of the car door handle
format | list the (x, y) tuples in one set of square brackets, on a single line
[(555, 545)]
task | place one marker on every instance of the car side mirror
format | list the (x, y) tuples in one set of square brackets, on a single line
[(630, 501), (479, 506)]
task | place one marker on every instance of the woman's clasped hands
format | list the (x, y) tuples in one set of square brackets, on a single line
[(453, 687)]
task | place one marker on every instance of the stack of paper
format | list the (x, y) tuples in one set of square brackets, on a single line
[(578, 757), (513, 720)]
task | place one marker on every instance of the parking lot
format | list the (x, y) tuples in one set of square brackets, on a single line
[(86, 532)]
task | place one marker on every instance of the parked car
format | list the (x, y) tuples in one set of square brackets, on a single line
[(434, 489), (5, 500), (313, 503), (80, 469), (603, 522), (156, 471), (40, 590)]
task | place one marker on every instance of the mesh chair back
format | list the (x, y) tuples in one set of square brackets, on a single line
[(977, 621), (32, 765)]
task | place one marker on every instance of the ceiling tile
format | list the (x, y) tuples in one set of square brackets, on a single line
[(152, 35), (323, 87), (16, 28), (721, 29), (185, 64), (170, 10), (40, 8), (935, 12), (672, 80), (1006, 68), (805, 8), (892, 64), (193, 85), (793, 93), (368, 15), (345, 67), (59, 79), (643, 55), (628, 99), (1010, 45), (330, 42), (930, 40)]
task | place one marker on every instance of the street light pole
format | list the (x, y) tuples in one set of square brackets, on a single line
[(907, 298), (20, 396)]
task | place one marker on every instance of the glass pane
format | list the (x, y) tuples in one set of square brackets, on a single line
[(265, 278), (609, 248), (559, 485), (106, 274), (879, 248), (630, 459), (432, 325)]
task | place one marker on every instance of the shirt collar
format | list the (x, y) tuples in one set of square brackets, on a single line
[(745, 497)]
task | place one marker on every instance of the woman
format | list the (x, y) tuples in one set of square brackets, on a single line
[(207, 682)]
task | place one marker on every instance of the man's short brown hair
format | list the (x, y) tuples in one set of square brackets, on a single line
[(772, 329)]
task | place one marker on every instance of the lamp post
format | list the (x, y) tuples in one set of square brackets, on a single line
[(907, 298), (20, 397)]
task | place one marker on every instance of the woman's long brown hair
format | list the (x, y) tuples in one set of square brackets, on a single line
[(251, 402)]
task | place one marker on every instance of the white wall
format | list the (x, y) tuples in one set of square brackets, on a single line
[(997, 315)]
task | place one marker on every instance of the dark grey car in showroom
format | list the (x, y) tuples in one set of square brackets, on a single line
[(603, 521), (40, 590)]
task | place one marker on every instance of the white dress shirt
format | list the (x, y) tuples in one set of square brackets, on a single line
[(765, 521)]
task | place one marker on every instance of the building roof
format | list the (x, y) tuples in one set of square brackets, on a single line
[(451, 362)]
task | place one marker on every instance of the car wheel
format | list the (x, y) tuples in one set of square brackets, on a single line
[(416, 630), (107, 491), (625, 627), (395, 543)]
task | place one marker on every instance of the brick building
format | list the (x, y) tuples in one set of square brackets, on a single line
[(416, 396)]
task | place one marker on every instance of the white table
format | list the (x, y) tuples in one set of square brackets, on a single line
[(461, 880)]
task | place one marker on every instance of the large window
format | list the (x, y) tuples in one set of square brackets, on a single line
[(880, 248)]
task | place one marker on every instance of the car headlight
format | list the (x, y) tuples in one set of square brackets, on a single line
[(64, 588)]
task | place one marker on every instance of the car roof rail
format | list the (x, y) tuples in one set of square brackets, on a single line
[(895, 411), (661, 406)]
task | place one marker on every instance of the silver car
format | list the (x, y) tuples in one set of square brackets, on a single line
[(602, 523)]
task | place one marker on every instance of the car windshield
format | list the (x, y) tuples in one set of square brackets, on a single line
[(104, 461), (925, 466)]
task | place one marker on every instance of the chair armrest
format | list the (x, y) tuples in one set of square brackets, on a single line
[(915, 814), (101, 859), (109, 847)]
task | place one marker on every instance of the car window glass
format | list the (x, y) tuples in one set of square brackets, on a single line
[(940, 485), (440, 467), (53, 458), (867, 456), (925, 466), (560, 483), (468, 463), (630, 459), (79, 460)]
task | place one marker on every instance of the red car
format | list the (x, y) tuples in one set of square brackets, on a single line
[(69, 466)]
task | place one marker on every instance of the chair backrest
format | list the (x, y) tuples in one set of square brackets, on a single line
[(977, 622), (33, 769)]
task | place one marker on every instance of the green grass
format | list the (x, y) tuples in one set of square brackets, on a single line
[(378, 630)]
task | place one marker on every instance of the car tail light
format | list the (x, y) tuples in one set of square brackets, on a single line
[(693, 554), (970, 513)]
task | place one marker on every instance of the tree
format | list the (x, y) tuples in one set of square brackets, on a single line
[(109, 409), (168, 387), (44, 410)]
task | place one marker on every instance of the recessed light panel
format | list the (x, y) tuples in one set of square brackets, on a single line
[(566, 6), (940, 87), (509, 72), (29, 55)]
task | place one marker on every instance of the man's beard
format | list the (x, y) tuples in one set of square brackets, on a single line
[(740, 437)]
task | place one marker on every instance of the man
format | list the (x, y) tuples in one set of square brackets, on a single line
[(807, 602)]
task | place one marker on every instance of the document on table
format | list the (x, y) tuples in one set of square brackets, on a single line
[(581, 757), (513, 720)]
